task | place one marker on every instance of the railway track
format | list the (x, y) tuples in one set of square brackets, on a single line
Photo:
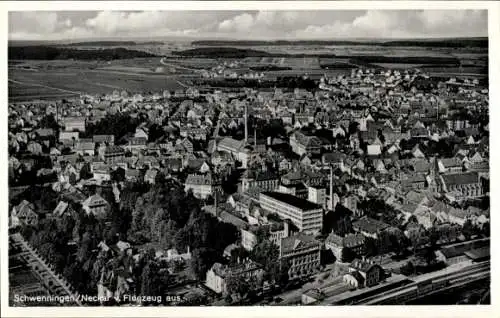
[(474, 272)]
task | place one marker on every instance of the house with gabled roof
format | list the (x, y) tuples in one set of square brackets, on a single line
[(303, 144), (96, 205), (303, 254), (449, 165), (364, 273), (336, 243), (369, 227), (23, 214)]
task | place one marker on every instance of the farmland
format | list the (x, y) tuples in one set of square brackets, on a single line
[(22, 92), (49, 79)]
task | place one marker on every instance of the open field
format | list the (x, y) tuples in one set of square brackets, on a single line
[(194, 63), (295, 63), (398, 65), (23, 92), (87, 81), (65, 78)]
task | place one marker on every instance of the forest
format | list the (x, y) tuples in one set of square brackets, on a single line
[(56, 53)]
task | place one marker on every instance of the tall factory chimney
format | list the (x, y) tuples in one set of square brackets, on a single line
[(331, 188), (246, 123)]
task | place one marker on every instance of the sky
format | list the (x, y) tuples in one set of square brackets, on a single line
[(320, 24)]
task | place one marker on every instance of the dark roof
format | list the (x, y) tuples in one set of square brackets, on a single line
[(350, 240), (333, 157), (114, 149), (300, 240), (362, 265), (292, 200), (103, 138), (357, 276), (459, 249), (370, 225), (232, 219), (451, 162), (480, 253), (461, 178)]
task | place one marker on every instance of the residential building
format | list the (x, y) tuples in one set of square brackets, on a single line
[(113, 154), (24, 214), (96, 205), (258, 179), (74, 124), (302, 254), (369, 227), (104, 139), (364, 273), (302, 144), (219, 275), (203, 185), (354, 242)]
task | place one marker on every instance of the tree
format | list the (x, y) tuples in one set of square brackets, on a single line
[(485, 229), (118, 175), (238, 254), (228, 299), (168, 232), (149, 279), (348, 255), (371, 248), (201, 261), (408, 269), (430, 255), (266, 253), (85, 172), (237, 285), (468, 229)]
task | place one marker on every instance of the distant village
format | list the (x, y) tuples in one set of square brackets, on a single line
[(227, 197)]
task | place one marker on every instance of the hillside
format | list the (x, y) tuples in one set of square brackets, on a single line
[(58, 53), (230, 52), (221, 52), (453, 43)]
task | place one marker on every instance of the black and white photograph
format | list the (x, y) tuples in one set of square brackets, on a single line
[(230, 157)]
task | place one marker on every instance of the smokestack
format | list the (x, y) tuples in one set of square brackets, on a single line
[(255, 138), (331, 187), (246, 123)]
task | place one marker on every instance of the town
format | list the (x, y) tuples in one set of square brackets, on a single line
[(370, 188)]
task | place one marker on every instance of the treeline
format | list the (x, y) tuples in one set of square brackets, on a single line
[(447, 43), (338, 66), (56, 53), (266, 68)]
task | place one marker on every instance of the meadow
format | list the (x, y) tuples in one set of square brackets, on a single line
[(49, 79), (19, 92)]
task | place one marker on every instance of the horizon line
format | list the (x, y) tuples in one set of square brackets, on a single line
[(216, 38)]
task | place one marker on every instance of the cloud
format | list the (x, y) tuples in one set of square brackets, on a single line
[(405, 24), (34, 21), (328, 24)]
